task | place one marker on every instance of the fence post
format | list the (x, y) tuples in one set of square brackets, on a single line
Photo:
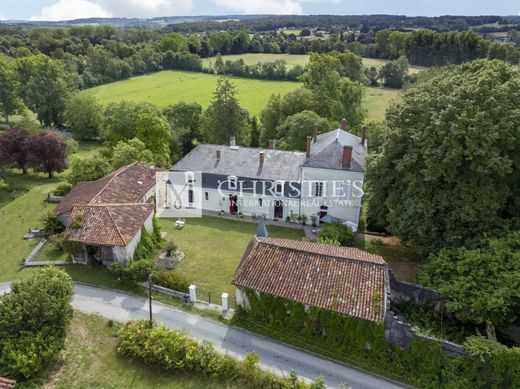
[(225, 302), (193, 293)]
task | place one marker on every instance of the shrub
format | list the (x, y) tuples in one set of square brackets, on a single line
[(339, 232), (171, 280), (137, 271), (156, 235), (33, 319), (147, 246), (51, 225), (172, 350), (170, 248), (62, 189)]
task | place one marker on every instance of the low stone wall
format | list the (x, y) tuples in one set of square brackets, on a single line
[(401, 334), (404, 291)]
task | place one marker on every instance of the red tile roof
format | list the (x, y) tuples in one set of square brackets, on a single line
[(344, 279), (125, 185), (7, 383), (107, 224)]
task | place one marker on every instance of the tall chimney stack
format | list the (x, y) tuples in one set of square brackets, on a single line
[(364, 134), (262, 157), (272, 144), (346, 162), (315, 135), (218, 154), (344, 124), (309, 139)]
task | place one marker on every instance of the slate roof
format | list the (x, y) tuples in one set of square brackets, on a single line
[(344, 279), (243, 162), (125, 185), (107, 224), (327, 151)]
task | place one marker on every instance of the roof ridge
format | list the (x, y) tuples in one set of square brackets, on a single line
[(329, 255), (115, 174), (112, 204), (115, 225)]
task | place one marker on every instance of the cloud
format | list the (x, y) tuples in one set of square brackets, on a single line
[(71, 9), (279, 7), (2, 17), (147, 8)]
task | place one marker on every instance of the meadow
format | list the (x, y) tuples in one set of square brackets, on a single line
[(173, 86)]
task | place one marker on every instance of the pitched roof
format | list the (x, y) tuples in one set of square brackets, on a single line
[(125, 185), (243, 162), (107, 224), (344, 279), (327, 151)]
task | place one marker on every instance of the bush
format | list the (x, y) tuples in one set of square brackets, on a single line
[(34, 317), (170, 248), (171, 280), (137, 271), (171, 350), (337, 232), (51, 225), (147, 246), (62, 189)]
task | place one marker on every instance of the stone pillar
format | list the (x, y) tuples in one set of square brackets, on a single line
[(225, 302), (193, 293)]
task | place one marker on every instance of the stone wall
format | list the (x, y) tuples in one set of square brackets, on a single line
[(404, 291)]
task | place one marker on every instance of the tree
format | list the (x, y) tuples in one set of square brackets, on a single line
[(447, 171), (295, 129), (88, 169), (156, 134), (84, 115), (34, 317), (255, 133), (119, 121), (482, 285), (184, 119), (48, 153), (393, 73), (15, 148), (337, 232), (174, 42), (47, 89), (10, 101), (125, 153), (224, 117)]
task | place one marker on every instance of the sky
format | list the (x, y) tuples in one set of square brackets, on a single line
[(75, 9)]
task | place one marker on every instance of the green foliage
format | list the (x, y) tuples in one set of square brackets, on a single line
[(171, 280), (51, 225), (89, 168), (337, 232), (184, 121), (445, 175), (33, 319), (62, 189), (480, 285), (84, 115), (174, 351), (10, 101), (393, 73), (224, 117), (295, 129), (170, 248), (146, 246), (137, 271), (156, 232), (174, 42), (126, 153)]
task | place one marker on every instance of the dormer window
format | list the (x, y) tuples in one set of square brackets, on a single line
[(278, 188), (189, 177), (232, 182)]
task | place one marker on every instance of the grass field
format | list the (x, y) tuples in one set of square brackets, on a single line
[(172, 86), (214, 247), (89, 360)]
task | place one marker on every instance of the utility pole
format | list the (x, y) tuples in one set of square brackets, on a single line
[(150, 298)]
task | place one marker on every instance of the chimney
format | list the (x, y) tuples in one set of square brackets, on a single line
[(232, 141), (218, 154), (346, 161), (364, 134), (272, 144), (309, 146), (315, 135), (262, 157), (344, 124)]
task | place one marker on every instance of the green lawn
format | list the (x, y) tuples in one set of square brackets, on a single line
[(254, 58), (369, 62), (89, 360), (214, 247), (377, 100), (173, 86)]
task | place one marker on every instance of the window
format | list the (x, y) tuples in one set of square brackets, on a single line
[(232, 182), (278, 188), (319, 189), (190, 197), (207, 196), (260, 202)]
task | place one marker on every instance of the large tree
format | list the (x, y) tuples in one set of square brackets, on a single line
[(15, 149), (48, 153), (480, 285), (224, 117), (10, 101), (448, 169), (125, 153), (89, 168), (84, 115), (295, 129), (184, 119)]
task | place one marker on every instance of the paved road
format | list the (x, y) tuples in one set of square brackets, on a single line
[(274, 356)]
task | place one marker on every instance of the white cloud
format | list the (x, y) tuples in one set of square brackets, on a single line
[(70, 10), (147, 8), (280, 7), (2, 17)]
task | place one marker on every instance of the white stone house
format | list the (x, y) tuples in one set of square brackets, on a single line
[(327, 179)]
